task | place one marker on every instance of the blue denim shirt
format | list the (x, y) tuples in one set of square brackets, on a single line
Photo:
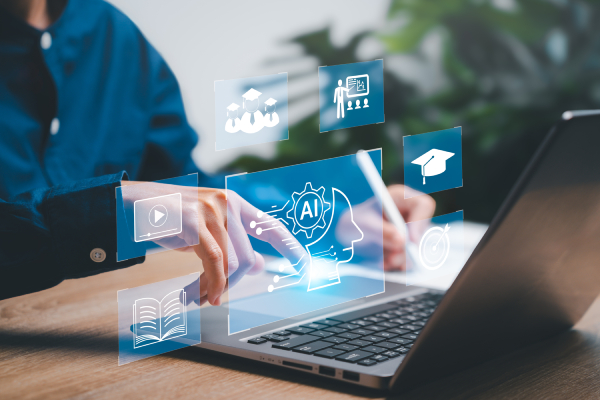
[(81, 104)]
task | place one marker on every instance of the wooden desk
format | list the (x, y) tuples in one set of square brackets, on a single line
[(62, 343)]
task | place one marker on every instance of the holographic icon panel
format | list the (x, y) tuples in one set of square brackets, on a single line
[(159, 317), (433, 161), (351, 95), (251, 111), (335, 217), (440, 243), (151, 216)]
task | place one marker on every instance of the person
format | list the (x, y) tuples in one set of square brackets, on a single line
[(252, 119), (338, 98), (88, 103), (271, 117), (233, 122)]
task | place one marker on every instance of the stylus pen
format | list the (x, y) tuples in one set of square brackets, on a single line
[(389, 207)]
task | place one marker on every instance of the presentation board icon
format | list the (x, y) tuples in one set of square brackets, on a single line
[(433, 161), (157, 217), (351, 95)]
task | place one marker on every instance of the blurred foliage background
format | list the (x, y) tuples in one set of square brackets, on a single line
[(504, 70)]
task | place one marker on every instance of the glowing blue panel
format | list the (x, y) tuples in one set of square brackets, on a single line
[(326, 219), (351, 95)]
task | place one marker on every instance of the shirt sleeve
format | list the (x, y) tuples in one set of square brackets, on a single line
[(47, 235), (170, 139)]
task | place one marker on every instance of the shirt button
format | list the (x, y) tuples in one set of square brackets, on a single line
[(46, 41), (98, 255), (54, 126)]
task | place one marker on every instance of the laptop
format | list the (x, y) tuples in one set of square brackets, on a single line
[(532, 276)]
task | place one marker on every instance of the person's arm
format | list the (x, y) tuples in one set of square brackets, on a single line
[(47, 235)]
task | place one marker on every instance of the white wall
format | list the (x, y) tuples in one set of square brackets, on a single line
[(204, 41)]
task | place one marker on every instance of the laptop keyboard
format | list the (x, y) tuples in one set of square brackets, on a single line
[(369, 336)]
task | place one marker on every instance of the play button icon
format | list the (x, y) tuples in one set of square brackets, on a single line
[(158, 215)]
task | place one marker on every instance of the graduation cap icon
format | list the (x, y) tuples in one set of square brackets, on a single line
[(271, 101), (233, 107), (433, 162), (251, 95)]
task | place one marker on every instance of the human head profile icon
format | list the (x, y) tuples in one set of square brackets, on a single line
[(327, 253), (350, 105), (366, 102)]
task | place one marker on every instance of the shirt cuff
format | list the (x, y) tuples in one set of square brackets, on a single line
[(83, 222)]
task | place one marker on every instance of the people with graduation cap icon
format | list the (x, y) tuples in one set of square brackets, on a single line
[(233, 123), (271, 118), (252, 120), (433, 162)]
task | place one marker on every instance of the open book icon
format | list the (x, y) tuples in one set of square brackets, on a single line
[(156, 321)]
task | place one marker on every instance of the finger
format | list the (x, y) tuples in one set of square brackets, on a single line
[(213, 259), (239, 240), (395, 261), (192, 292), (259, 266), (392, 239), (270, 230)]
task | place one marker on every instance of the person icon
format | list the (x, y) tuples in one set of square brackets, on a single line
[(366, 102), (233, 123), (327, 253), (252, 120), (357, 104), (271, 117), (350, 105), (338, 98)]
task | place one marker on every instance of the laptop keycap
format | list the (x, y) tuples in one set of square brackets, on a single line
[(348, 335), (362, 322), (387, 335), (335, 330), (376, 328), (329, 322), (400, 341), (398, 331), (322, 333), (314, 326), (299, 330), (347, 326), (282, 333), (372, 338), (360, 343), (391, 354), (275, 338), (367, 363), (362, 332), (410, 336), (388, 345), (294, 342), (411, 327), (257, 340), (335, 339), (354, 356), (329, 353), (345, 347), (387, 324), (379, 358), (374, 349), (312, 347)]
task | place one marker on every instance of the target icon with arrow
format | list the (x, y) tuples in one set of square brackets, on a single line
[(434, 247)]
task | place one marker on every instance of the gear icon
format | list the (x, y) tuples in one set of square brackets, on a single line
[(309, 210)]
